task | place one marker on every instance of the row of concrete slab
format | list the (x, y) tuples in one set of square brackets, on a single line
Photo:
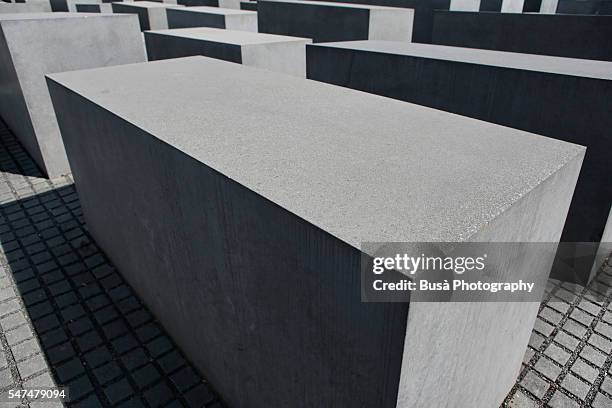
[(236, 200)]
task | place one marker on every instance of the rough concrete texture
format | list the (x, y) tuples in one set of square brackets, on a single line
[(562, 35), (40, 6), (151, 14), (35, 44), (215, 17), (330, 21), (71, 4), (261, 247), (273, 52), (460, 80)]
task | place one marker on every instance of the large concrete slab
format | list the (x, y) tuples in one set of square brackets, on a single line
[(274, 52), (535, 93), (151, 14), (330, 21), (250, 226), (35, 44), (562, 35), (40, 6), (214, 17)]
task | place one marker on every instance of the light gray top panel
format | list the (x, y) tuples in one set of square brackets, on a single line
[(529, 62), (360, 166), (228, 36), (44, 16)]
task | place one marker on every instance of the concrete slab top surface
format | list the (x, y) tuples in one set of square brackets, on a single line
[(228, 36), (530, 62), (359, 166), (47, 16), (334, 4), (213, 10)]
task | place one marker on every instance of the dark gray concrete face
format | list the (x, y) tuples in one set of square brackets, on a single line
[(262, 246), (278, 53), (574, 36), (35, 44), (248, 5), (151, 15), (423, 13), (593, 7), (533, 93), (329, 21), (214, 17), (94, 8)]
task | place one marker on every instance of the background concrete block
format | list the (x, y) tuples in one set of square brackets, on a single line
[(214, 17), (505, 6), (35, 44), (248, 5), (460, 80), (603, 7), (465, 5), (262, 246), (231, 4), (151, 15), (329, 21), (274, 52), (94, 8), (574, 36), (423, 13), (40, 6)]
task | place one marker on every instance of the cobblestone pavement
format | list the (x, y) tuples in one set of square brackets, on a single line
[(66, 316), (568, 361)]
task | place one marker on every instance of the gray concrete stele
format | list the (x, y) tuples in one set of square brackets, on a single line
[(35, 44), (238, 213), (330, 21), (274, 52), (561, 35), (535, 93), (214, 17), (151, 14)]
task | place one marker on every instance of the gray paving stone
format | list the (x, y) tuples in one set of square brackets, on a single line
[(560, 400), (9, 306), (5, 377), (536, 340), (575, 386), (602, 401), (557, 354), (566, 340), (593, 355), (25, 349), (31, 366), (605, 329), (548, 368), (534, 384), (551, 315), (590, 307), (575, 328), (601, 342), (606, 385), (543, 328), (585, 371), (582, 317)]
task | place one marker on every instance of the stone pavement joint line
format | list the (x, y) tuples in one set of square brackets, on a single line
[(66, 316)]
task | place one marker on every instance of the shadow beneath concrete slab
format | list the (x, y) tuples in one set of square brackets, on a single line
[(97, 337), (13, 157)]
